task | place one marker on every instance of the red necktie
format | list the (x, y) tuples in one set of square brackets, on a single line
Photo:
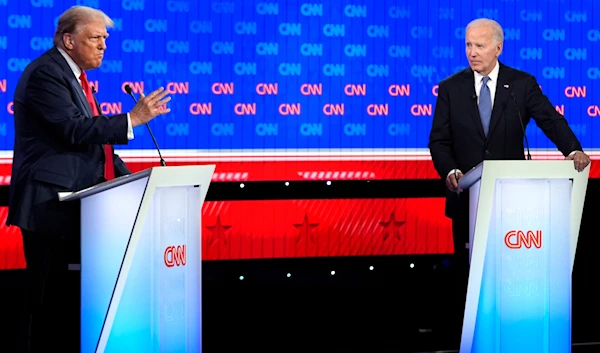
[(109, 167)]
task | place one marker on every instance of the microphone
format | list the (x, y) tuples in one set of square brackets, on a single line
[(162, 161), (95, 100), (512, 94), (474, 97)]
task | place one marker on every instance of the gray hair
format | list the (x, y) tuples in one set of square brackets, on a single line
[(497, 31), (74, 18)]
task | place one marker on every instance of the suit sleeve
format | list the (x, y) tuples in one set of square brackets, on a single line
[(553, 124), (440, 138), (51, 99), (120, 167)]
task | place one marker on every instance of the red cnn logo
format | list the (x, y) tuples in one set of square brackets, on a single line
[(289, 109), (516, 239), (355, 90), (178, 87), (576, 91), (136, 87), (399, 90), (593, 111), (201, 108), (333, 109), (267, 89), (175, 255), (311, 89), (111, 108), (377, 109), (421, 109), (244, 109), (222, 88)]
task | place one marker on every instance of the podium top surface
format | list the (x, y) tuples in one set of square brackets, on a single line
[(92, 190), (471, 177), (188, 175), (522, 169)]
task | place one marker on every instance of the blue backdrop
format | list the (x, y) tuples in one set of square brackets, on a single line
[(322, 75)]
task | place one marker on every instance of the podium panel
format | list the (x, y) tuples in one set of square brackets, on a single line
[(524, 225), (160, 307), (141, 275), (524, 299), (103, 245)]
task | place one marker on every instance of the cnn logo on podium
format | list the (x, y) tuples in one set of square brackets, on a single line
[(516, 239), (175, 255)]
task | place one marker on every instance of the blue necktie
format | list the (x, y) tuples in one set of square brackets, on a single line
[(485, 105)]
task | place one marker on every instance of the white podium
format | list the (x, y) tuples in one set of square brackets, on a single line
[(524, 225), (141, 275)]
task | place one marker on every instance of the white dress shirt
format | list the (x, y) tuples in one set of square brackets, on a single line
[(492, 82), (77, 72)]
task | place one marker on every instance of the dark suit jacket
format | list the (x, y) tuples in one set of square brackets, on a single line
[(457, 139), (58, 146)]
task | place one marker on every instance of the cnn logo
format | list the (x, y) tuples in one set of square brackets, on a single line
[(516, 239), (175, 255)]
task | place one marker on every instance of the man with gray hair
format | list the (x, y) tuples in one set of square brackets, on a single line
[(63, 143), (475, 121)]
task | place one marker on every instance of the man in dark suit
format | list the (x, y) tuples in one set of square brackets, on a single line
[(476, 118), (63, 143)]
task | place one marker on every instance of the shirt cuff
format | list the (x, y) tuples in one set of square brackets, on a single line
[(452, 172), (572, 153), (129, 128)]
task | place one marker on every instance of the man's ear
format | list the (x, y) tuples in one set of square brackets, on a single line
[(68, 41)]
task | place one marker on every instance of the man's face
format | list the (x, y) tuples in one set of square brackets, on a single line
[(87, 45), (482, 49)]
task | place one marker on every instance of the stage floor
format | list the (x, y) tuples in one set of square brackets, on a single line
[(394, 309)]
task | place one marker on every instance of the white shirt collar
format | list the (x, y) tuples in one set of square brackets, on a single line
[(74, 67), (493, 74)]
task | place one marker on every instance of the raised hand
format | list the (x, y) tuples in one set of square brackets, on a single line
[(150, 106)]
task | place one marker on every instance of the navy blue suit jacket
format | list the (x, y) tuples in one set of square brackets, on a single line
[(58, 146), (458, 141)]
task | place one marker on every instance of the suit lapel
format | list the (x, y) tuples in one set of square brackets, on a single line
[(503, 90), (83, 101), (76, 87), (97, 103), (468, 88)]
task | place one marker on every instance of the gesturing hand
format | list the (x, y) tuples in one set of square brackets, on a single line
[(149, 107)]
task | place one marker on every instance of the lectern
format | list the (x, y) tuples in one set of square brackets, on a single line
[(141, 276), (524, 225)]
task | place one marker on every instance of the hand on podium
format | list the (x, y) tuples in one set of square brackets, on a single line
[(452, 181), (580, 160)]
